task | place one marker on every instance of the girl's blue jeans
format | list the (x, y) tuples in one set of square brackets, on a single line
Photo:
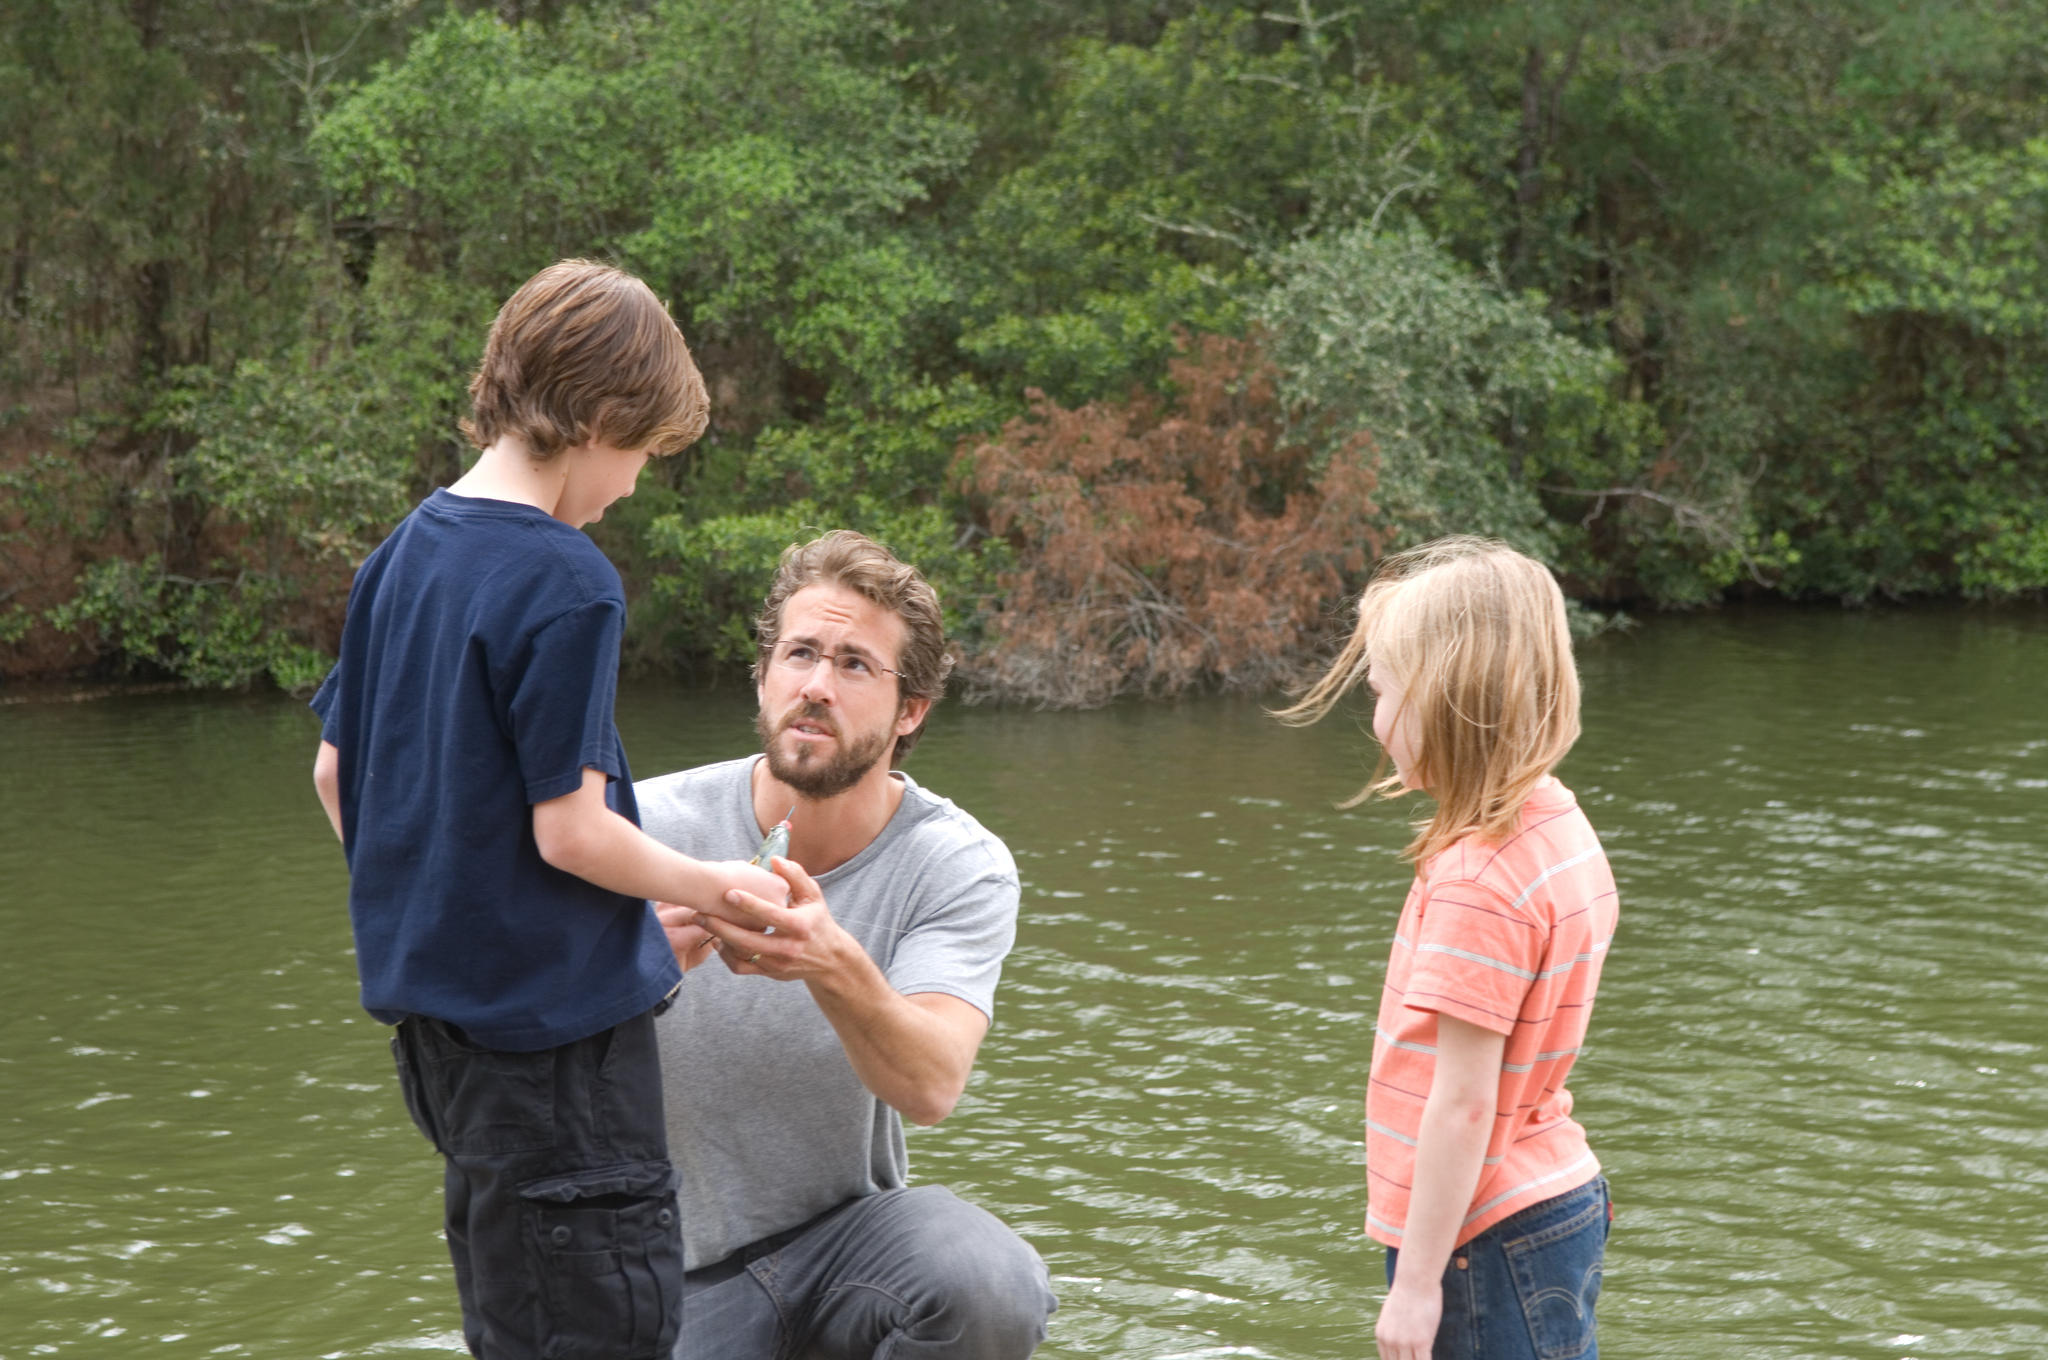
[(1525, 1288)]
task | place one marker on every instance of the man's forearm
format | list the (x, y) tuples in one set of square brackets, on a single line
[(914, 1053)]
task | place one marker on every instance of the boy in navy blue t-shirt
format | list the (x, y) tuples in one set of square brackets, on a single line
[(499, 881)]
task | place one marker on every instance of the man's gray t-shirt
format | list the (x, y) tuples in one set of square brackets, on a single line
[(767, 1124)]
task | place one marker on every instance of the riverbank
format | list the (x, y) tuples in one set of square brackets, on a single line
[(78, 684), (72, 692)]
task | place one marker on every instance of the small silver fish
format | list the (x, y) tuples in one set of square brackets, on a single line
[(776, 842)]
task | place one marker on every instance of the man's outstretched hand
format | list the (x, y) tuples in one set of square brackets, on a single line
[(790, 943)]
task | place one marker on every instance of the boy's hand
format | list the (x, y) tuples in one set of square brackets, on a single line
[(686, 934)]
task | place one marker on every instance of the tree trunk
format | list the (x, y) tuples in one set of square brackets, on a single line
[(147, 16), (153, 355), (17, 283), (1529, 163)]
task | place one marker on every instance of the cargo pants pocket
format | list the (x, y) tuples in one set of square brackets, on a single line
[(605, 1251), (1557, 1269)]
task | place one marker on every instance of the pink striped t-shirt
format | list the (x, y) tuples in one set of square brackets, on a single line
[(1509, 937)]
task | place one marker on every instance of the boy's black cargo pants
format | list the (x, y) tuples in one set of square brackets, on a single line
[(561, 1206)]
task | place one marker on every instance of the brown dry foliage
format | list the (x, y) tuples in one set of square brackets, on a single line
[(1167, 547)]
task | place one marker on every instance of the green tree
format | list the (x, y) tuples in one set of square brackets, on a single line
[(752, 160), (1482, 413), (157, 219), (1173, 173)]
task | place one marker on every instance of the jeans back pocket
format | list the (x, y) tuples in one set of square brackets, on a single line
[(1557, 1270)]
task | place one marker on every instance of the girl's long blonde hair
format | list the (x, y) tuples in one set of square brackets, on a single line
[(1474, 635)]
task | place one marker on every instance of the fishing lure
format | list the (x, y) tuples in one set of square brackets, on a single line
[(776, 842)]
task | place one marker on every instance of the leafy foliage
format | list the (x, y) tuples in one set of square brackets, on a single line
[(1172, 172), (1470, 395), (284, 476), (1689, 299), (224, 631), (753, 161), (1942, 480)]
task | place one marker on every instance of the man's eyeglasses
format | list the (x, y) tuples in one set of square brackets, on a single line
[(851, 667)]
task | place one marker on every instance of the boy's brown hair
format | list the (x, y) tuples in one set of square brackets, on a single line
[(865, 567), (586, 352)]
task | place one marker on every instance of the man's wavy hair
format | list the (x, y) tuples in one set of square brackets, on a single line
[(586, 352), (871, 571), (1474, 635)]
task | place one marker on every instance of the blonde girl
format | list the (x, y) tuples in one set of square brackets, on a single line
[(1479, 1183)]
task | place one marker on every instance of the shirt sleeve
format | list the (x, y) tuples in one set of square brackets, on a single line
[(1475, 957), (323, 703), (561, 701), (958, 948)]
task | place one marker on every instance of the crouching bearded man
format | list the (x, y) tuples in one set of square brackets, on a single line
[(788, 1070)]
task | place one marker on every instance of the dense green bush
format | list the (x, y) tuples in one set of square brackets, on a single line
[(1474, 401)]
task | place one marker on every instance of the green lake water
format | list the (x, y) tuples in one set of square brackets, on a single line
[(1816, 1073)]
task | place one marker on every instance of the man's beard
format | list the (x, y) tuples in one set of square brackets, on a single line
[(819, 779)]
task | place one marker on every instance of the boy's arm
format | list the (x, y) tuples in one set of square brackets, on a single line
[(1449, 1150), (579, 835), (327, 783)]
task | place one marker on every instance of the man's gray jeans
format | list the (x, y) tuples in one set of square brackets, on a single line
[(914, 1274)]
